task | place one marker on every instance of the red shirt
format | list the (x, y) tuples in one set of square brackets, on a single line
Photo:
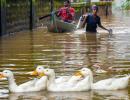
[(66, 14)]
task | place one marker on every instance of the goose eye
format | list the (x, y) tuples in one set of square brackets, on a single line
[(6, 72), (83, 69)]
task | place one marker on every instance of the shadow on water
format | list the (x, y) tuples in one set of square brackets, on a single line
[(67, 52)]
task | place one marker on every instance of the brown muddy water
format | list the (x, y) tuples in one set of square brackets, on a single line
[(67, 52)]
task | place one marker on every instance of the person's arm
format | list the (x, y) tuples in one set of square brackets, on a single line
[(70, 12), (101, 26), (84, 20), (58, 13)]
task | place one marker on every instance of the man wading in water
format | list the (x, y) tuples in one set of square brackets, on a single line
[(93, 20)]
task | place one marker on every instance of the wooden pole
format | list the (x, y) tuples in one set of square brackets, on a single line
[(2, 17), (32, 14), (52, 5), (106, 10)]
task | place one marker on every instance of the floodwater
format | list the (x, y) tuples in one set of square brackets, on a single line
[(67, 52)]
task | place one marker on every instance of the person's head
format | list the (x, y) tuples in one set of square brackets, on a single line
[(67, 3), (94, 9)]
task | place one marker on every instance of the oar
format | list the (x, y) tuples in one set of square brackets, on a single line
[(48, 15), (44, 16)]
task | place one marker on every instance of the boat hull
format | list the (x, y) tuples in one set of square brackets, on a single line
[(56, 25)]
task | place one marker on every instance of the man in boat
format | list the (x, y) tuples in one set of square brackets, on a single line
[(66, 13), (93, 20)]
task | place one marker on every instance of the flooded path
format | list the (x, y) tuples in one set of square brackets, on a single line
[(67, 52)]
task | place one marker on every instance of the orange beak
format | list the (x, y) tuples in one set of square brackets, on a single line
[(78, 73), (35, 73), (41, 74), (1, 75)]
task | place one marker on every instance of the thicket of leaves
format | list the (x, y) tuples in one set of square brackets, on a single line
[(126, 5)]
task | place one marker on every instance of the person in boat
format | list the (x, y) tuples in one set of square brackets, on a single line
[(66, 13), (93, 20)]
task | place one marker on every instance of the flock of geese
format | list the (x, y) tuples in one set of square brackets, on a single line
[(81, 80)]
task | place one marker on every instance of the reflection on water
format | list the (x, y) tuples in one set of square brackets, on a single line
[(113, 95), (91, 95), (51, 96), (72, 96), (67, 52)]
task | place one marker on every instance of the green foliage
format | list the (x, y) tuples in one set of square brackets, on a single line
[(2, 3), (78, 6), (126, 5), (101, 3)]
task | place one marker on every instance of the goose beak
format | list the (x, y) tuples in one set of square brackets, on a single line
[(35, 73), (78, 73), (41, 74), (1, 75)]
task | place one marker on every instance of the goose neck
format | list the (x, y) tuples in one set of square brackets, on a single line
[(11, 83), (51, 78)]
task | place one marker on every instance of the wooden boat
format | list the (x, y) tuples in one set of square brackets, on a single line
[(58, 26)]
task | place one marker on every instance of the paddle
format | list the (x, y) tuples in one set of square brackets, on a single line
[(40, 18), (48, 15)]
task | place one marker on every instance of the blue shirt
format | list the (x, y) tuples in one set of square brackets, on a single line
[(92, 22)]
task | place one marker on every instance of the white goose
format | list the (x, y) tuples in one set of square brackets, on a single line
[(62, 79), (108, 84), (34, 85), (68, 80), (112, 83), (68, 86), (40, 70)]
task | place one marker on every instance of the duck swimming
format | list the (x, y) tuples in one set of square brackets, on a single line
[(114, 83), (62, 79), (40, 70), (30, 86), (67, 86)]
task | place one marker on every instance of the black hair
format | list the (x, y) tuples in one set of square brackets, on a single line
[(68, 1)]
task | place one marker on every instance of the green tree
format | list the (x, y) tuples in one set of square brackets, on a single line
[(126, 5)]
